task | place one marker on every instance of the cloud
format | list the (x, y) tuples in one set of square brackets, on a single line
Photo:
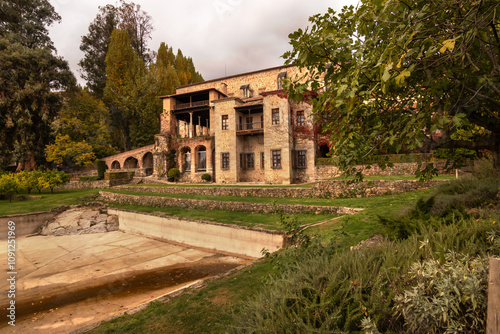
[(222, 36)]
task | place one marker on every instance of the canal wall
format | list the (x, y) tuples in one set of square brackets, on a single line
[(25, 224), (243, 241)]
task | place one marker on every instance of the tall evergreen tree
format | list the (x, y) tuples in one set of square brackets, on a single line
[(123, 69), (129, 17), (31, 81)]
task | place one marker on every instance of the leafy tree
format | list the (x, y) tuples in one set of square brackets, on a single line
[(123, 69), (85, 118), (64, 150), (31, 81), (395, 76), (9, 186), (25, 180), (54, 178), (95, 44), (26, 21), (38, 179)]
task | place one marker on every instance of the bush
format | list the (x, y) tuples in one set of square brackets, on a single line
[(101, 169), (448, 297), (174, 173), (322, 290), (9, 186), (206, 177)]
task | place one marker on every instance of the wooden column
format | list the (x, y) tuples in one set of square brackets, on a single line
[(493, 321)]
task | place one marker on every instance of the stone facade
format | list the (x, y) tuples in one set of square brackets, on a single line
[(238, 129)]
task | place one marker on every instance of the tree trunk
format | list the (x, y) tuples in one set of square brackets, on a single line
[(28, 164)]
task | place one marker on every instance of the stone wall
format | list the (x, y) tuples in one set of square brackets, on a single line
[(25, 224), (219, 205), (323, 189), (403, 168)]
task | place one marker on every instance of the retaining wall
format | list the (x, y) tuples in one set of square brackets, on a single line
[(239, 240), (323, 189), (399, 168), (28, 223), (220, 205)]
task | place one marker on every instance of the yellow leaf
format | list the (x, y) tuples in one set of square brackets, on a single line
[(447, 45)]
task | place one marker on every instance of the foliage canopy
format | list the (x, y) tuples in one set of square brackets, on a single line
[(397, 76)]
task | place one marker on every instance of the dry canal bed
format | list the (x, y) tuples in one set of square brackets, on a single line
[(68, 282)]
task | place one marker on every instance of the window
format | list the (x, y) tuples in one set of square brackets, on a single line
[(281, 75), (225, 122), (187, 166), (275, 116), (276, 154), (202, 160), (261, 160), (225, 160), (247, 161), (299, 159), (301, 120)]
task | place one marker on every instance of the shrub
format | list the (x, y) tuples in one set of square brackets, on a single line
[(174, 173), (9, 186), (54, 178), (448, 297), (101, 169), (206, 177), (322, 290)]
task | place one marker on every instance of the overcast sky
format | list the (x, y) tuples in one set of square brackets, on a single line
[(224, 37)]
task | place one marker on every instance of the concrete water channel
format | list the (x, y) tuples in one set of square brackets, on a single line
[(65, 283)]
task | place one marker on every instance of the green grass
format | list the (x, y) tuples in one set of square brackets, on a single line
[(213, 185), (441, 177), (47, 201), (211, 310), (267, 221)]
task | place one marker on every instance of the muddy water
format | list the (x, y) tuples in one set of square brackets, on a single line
[(99, 300)]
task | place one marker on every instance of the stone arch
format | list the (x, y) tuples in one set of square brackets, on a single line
[(200, 158), (147, 163), (115, 165), (131, 163), (185, 159)]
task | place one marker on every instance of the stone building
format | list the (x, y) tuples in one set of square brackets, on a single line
[(239, 128)]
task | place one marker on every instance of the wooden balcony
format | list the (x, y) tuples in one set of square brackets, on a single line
[(250, 128), (179, 106)]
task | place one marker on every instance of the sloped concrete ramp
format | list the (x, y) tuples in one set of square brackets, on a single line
[(67, 282)]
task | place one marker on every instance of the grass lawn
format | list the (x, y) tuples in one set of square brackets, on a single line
[(212, 185), (267, 221), (47, 201), (441, 177)]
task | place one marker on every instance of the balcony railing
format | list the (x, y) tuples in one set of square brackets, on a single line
[(191, 105), (250, 126)]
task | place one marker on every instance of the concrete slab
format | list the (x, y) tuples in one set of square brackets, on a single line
[(67, 282)]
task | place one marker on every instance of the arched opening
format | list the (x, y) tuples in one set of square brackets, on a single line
[(115, 165), (323, 151), (201, 158), (185, 159), (147, 163), (130, 163)]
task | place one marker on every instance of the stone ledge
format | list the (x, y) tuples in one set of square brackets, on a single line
[(219, 205), (323, 189)]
